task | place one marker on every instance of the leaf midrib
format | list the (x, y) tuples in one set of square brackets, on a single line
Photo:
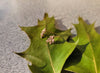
[(92, 53), (51, 60)]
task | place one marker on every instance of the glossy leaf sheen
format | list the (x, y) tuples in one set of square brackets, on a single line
[(46, 58), (86, 58)]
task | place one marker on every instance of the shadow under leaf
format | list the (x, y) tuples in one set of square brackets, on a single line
[(76, 56), (59, 25), (98, 29), (63, 71)]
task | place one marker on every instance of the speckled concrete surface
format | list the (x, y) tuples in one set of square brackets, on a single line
[(26, 13)]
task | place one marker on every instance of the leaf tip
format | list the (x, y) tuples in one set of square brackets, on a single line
[(21, 27), (20, 54), (80, 18), (45, 15), (38, 20)]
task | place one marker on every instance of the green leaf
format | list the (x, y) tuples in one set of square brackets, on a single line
[(46, 58), (50, 24), (86, 57)]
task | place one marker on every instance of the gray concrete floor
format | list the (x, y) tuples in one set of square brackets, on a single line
[(26, 13)]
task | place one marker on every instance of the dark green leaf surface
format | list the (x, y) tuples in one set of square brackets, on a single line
[(46, 58), (86, 58)]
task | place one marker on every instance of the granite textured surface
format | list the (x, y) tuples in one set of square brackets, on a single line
[(25, 13)]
